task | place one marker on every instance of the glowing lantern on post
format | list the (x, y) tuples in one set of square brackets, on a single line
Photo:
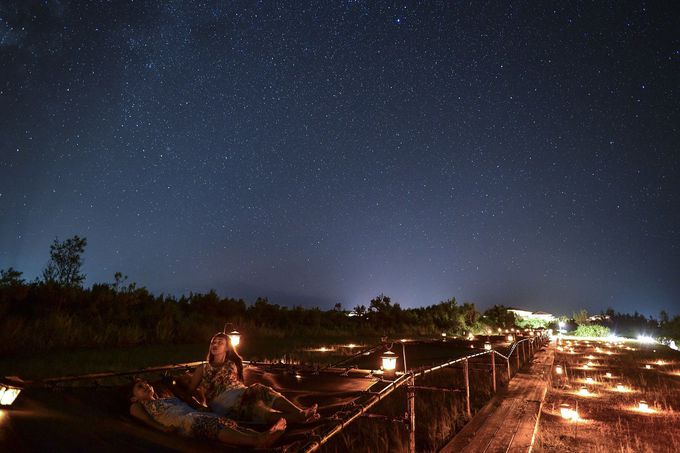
[(643, 406), (608, 374), (8, 394), (558, 369), (487, 346), (234, 338), (510, 338), (648, 367), (389, 361)]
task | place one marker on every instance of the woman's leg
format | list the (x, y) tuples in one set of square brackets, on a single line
[(293, 413), (250, 438)]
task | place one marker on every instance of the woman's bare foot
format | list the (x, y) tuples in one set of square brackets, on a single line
[(305, 415), (276, 431)]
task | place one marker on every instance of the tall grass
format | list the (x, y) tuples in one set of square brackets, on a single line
[(439, 415)]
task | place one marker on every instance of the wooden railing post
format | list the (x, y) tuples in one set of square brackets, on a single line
[(493, 371), (467, 388), (517, 356), (411, 400), (508, 363)]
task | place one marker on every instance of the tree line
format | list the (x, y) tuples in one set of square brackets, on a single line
[(55, 311)]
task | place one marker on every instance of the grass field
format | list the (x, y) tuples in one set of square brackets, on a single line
[(82, 361), (610, 418)]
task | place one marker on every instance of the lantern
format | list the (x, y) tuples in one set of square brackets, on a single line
[(643, 406), (648, 366), (558, 369), (389, 361), (567, 412), (234, 338), (583, 391), (487, 346), (8, 394), (444, 334), (608, 375), (589, 380), (510, 338), (620, 387)]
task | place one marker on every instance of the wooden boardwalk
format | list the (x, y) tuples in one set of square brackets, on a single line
[(509, 421)]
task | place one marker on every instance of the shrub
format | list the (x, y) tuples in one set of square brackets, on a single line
[(592, 330)]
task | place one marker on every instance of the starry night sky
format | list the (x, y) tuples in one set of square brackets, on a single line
[(522, 153)]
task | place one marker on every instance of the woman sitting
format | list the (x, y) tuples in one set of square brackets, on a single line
[(222, 381), (172, 414)]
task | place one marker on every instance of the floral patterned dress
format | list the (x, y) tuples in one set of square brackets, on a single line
[(175, 413), (228, 396)]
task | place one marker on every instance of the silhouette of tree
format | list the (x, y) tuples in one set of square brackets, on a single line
[(65, 262), (581, 317), (10, 277)]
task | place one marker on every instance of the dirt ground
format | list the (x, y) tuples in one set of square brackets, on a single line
[(610, 418)]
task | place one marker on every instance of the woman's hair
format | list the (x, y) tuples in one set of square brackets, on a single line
[(231, 354), (130, 389)]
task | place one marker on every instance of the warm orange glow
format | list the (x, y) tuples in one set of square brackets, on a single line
[(568, 413), (558, 369), (389, 361), (643, 407), (8, 395), (234, 338)]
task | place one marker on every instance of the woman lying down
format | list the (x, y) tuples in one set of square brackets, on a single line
[(171, 414)]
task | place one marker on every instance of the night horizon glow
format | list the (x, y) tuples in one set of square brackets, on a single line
[(326, 154)]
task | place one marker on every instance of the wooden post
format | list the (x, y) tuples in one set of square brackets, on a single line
[(411, 399), (517, 356), (493, 371), (467, 389), (509, 376)]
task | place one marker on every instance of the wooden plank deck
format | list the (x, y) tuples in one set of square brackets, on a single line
[(509, 421)]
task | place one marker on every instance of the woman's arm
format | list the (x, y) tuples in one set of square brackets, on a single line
[(196, 377), (138, 412)]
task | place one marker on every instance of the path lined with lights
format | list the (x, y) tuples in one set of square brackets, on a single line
[(600, 385), (509, 421)]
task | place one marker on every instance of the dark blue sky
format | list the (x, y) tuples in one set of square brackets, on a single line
[(522, 153)]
